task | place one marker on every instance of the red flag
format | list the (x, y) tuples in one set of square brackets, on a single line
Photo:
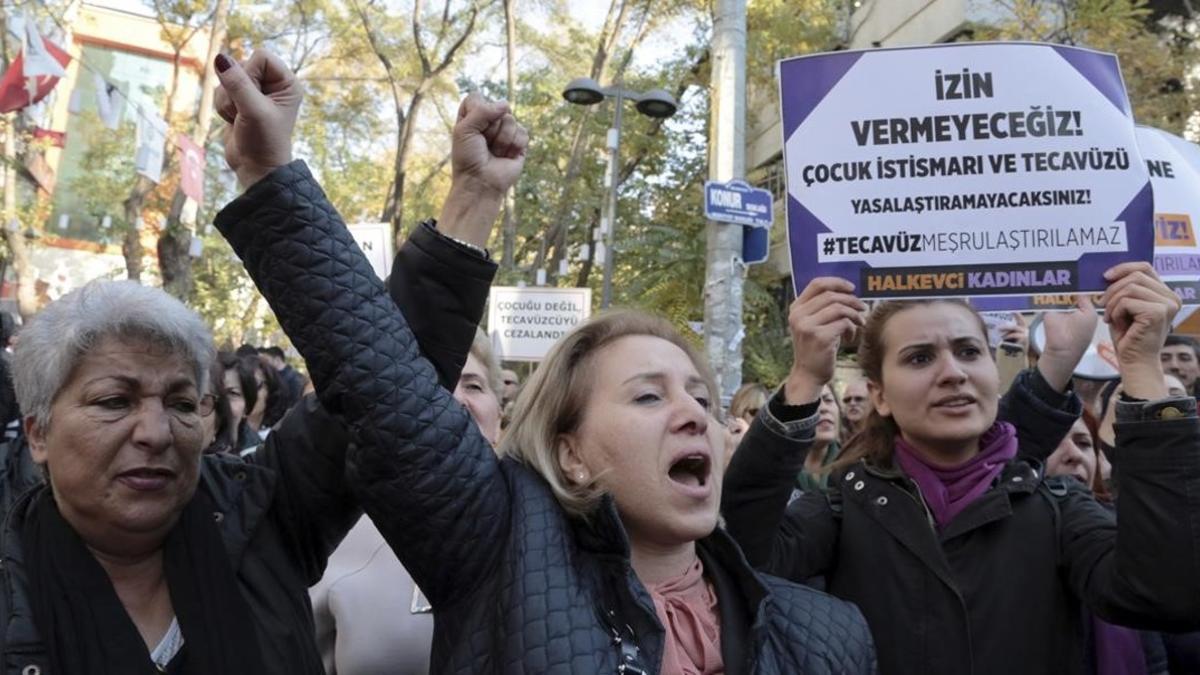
[(14, 94), (57, 138), (192, 168)]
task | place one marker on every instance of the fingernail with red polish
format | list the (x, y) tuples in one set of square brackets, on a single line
[(222, 63)]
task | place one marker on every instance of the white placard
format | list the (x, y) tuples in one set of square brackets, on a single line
[(375, 240), (526, 322), (969, 169)]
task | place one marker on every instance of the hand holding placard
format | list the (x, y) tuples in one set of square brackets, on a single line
[(1139, 307), (826, 313), (1068, 335)]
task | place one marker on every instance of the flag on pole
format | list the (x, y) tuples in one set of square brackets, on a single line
[(191, 168), (151, 136), (40, 61), (20, 89)]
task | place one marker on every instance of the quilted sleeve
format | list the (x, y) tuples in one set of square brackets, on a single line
[(441, 287), (418, 464)]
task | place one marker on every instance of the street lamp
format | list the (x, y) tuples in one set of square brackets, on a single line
[(655, 103)]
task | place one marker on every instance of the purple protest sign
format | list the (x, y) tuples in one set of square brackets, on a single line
[(947, 170)]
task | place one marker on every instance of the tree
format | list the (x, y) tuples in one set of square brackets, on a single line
[(415, 81), (180, 20), (174, 244), (1158, 58)]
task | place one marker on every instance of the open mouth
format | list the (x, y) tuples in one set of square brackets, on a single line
[(692, 470), (956, 401)]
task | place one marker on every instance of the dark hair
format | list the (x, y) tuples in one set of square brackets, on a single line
[(247, 350), (876, 440), (8, 328), (1099, 488), (1175, 339), (1106, 395), (244, 367), (226, 426), (277, 397), (273, 351)]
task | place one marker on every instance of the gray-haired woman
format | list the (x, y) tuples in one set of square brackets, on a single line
[(137, 556)]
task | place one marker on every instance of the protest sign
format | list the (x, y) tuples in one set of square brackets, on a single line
[(948, 170), (1099, 362), (525, 322), (375, 240), (1174, 168), (997, 323)]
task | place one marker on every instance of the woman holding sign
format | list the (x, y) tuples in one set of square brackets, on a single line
[(963, 557)]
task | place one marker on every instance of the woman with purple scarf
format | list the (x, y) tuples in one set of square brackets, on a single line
[(940, 523)]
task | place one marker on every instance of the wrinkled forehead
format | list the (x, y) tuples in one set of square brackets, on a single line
[(142, 363)]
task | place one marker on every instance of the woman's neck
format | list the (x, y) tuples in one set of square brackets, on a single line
[(655, 563)]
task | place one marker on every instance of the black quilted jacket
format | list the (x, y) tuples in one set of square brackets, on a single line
[(517, 586), (1000, 590)]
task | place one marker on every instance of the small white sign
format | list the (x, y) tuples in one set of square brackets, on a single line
[(526, 322), (375, 240)]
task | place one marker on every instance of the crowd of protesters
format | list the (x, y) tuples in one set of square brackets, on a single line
[(416, 508)]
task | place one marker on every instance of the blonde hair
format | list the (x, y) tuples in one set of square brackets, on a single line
[(481, 348), (552, 401), (749, 396)]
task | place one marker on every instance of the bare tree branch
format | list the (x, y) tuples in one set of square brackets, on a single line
[(416, 27)]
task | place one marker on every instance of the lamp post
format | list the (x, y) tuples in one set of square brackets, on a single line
[(655, 103)]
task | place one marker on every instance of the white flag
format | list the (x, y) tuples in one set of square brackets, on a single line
[(37, 59), (108, 101), (151, 136)]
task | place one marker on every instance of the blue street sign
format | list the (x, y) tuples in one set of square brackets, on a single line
[(738, 203), (756, 244)]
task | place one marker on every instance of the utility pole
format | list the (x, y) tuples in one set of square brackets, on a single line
[(510, 201), (723, 330), (608, 221)]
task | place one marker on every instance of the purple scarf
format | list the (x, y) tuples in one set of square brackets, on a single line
[(947, 491), (1118, 649)]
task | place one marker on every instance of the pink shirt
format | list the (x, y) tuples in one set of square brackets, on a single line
[(687, 608)]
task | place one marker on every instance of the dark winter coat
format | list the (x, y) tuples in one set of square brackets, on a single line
[(283, 510), (1000, 590), (516, 585)]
